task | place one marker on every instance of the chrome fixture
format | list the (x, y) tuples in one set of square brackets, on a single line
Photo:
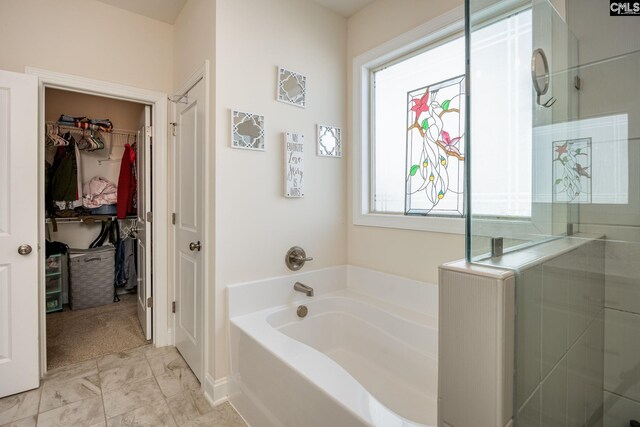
[(295, 258), (540, 77), (26, 250), (301, 287), (497, 247), (302, 310)]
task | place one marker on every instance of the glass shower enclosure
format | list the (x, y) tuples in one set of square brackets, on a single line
[(553, 193)]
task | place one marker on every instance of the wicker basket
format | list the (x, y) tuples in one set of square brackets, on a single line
[(91, 277)]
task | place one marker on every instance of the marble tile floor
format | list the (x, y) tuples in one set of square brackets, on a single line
[(145, 386)]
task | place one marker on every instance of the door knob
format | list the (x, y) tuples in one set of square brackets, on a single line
[(195, 246), (24, 249)]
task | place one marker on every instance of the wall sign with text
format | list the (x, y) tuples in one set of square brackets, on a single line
[(293, 164)]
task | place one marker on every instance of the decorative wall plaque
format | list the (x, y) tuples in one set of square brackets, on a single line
[(293, 165)]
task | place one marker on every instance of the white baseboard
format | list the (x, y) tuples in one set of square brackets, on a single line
[(215, 390)]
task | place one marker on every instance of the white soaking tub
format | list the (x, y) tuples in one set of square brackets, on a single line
[(365, 354)]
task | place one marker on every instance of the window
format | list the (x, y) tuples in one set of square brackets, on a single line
[(418, 132), (409, 121)]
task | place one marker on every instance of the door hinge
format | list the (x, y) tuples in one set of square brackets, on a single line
[(173, 307), (173, 218), (150, 302), (148, 130), (173, 128), (149, 216), (577, 82)]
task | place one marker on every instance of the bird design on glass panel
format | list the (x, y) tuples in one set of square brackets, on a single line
[(435, 149)]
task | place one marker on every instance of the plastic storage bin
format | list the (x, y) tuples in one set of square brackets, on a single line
[(54, 265), (53, 284), (54, 302)]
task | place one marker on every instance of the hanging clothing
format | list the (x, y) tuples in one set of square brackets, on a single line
[(78, 200), (99, 191), (64, 179), (127, 183), (126, 273)]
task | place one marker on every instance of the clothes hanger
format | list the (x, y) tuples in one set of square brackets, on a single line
[(84, 143)]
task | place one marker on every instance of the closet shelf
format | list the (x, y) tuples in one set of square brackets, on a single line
[(87, 219), (71, 128)]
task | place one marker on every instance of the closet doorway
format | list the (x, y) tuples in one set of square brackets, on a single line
[(152, 209), (98, 238)]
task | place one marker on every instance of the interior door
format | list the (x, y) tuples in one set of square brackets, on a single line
[(19, 254), (189, 242), (143, 174)]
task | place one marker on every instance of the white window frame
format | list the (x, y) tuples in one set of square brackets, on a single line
[(437, 29)]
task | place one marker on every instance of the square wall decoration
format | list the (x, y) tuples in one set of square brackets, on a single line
[(435, 149), (247, 130), (329, 141), (292, 88)]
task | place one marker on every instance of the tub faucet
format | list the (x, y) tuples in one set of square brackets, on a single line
[(301, 287)]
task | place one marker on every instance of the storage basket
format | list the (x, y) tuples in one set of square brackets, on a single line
[(91, 277)]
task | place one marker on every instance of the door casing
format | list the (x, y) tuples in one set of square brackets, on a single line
[(160, 161)]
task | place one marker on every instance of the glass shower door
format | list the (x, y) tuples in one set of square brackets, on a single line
[(554, 194)]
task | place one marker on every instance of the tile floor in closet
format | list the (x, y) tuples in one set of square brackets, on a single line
[(145, 386)]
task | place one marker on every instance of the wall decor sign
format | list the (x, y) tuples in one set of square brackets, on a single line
[(293, 164), (329, 141), (247, 130), (292, 87)]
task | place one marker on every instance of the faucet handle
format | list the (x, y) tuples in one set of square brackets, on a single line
[(296, 257)]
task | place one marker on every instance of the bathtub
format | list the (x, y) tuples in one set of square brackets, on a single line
[(365, 354)]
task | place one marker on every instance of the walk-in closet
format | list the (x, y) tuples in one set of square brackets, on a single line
[(96, 228)]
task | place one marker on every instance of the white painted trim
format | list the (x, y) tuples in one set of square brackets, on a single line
[(429, 32), (216, 391), (158, 100), (202, 73)]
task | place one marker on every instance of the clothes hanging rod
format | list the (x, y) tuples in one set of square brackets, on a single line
[(178, 98), (88, 219), (123, 132)]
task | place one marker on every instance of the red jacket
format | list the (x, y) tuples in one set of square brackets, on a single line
[(127, 183)]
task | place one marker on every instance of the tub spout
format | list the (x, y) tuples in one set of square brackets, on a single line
[(301, 287)]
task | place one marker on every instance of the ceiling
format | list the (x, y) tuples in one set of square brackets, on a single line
[(344, 7), (168, 10), (162, 10)]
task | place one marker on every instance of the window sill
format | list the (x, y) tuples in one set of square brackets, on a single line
[(415, 223)]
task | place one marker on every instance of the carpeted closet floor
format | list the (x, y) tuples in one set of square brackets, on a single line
[(76, 336)]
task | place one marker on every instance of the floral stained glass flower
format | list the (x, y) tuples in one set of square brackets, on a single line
[(421, 105)]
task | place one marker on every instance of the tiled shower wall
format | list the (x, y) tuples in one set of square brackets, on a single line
[(622, 334), (559, 339)]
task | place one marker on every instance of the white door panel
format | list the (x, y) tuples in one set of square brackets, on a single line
[(189, 208), (19, 369), (143, 173)]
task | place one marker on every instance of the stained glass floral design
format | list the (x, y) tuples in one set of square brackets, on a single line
[(572, 171), (435, 149)]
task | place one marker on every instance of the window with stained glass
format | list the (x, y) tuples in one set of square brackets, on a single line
[(418, 133), (435, 149), (413, 139)]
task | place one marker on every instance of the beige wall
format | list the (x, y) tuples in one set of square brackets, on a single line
[(255, 224), (413, 254), (86, 38)]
